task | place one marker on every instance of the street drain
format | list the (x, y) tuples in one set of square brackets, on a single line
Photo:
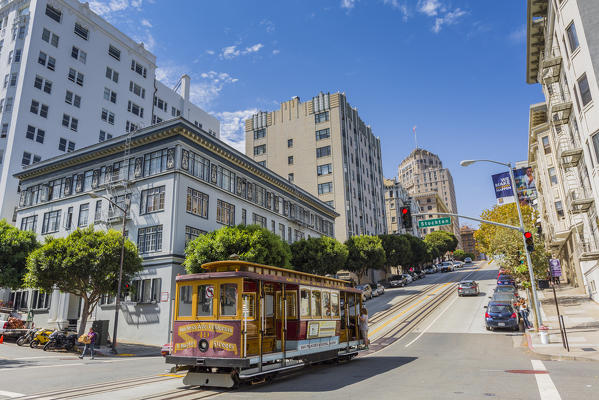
[(525, 371), (588, 349)]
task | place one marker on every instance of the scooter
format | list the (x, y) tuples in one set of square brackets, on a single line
[(40, 337), (26, 338), (60, 340)]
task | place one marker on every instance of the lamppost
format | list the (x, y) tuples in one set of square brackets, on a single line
[(465, 163), (118, 296)]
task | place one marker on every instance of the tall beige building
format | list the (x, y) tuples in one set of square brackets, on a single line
[(396, 198), (324, 147), (422, 172)]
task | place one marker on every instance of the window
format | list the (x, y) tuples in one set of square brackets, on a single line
[(192, 233), (323, 134), (36, 134), (29, 223), (326, 304), (137, 90), (42, 84), (135, 109), (75, 76), (68, 218), (53, 13), (130, 126), (155, 162), (51, 222), (72, 99), (4, 130), (325, 187), (315, 304), (289, 142), (70, 122), (585, 90), (149, 239), (161, 104), (324, 169), (140, 69), (596, 144), (198, 166), (50, 37), (47, 61), (228, 299), (225, 213), (21, 32), (110, 95), (304, 303), (83, 215), (559, 209), (152, 200), (175, 112), (156, 120), (260, 133), (552, 176), (184, 304), (323, 151), (114, 52), (334, 304), (259, 149), (205, 302), (26, 160), (321, 117), (572, 37), (13, 79), (197, 203), (66, 145), (80, 31), (107, 116), (262, 163), (79, 54), (290, 177), (259, 220), (104, 136), (8, 107), (98, 211), (112, 75), (546, 145), (290, 160)]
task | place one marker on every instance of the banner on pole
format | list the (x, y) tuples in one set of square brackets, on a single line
[(503, 188), (555, 268)]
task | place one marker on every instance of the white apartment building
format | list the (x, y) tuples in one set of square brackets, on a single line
[(182, 182), (563, 57), (69, 80)]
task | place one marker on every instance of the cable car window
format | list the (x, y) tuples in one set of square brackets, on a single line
[(248, 305), (291, 305), (316, 303), (334, 304), (185, 296), (326, 304), (228, 299), (305, 303), (269, 305), (205, 296)]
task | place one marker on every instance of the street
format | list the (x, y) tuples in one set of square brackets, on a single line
[(448, 354)]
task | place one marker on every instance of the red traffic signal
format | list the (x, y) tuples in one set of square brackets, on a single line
[(404, 211), (527, 235), (530, 244)]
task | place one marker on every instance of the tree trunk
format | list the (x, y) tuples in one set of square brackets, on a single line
[(84, 316)]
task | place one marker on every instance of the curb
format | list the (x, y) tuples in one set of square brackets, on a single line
[(552, 357)]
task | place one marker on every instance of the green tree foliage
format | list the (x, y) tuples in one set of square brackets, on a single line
[(250, 242), (459, 254), (323, 255), (418, 249), (86, 264), (397, 250), (15, 246), (507, 244), (440, 242), (364, 252)]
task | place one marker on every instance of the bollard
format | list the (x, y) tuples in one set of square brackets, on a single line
[(544, 337)]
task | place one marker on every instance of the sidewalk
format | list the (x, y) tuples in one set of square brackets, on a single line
[(128, 350), (581, 317)]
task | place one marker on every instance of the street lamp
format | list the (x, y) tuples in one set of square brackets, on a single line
[(465, 163), (118, 296)]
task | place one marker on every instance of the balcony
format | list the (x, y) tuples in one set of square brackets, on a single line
[(551, 67), (580, 200), (569, 150), (558, 233), (589, 250)]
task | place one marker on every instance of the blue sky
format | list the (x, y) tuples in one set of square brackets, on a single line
[(455, 69)]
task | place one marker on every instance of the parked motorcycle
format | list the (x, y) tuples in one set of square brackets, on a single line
[(60, 340), (26, 338), (40, 337)]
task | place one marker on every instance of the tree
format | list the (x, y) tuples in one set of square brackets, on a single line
[(441, 242), (418, 250), (250, 242), (15, 246), (323, 255), (86, 264), (397, 250), (364, 252), (459, 254), (507, 244)]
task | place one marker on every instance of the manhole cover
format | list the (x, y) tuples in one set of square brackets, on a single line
[(525, 371), (588, 349)]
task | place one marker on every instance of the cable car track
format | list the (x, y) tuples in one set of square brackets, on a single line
[(396, 307)]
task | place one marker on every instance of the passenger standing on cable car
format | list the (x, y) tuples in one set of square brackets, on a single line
[(363, 325)]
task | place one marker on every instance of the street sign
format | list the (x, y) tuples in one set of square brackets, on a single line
[(209, 292), (434, 222)]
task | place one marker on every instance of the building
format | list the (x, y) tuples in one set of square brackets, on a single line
[(323, 146), (396, 197), (468, 241), (71, 79), (430, 202), (563, 142), (423, 172), (181, 182)]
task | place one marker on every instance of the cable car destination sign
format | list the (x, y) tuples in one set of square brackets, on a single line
[(434, 222)]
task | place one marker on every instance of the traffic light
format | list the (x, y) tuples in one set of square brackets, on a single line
[(530, 246), (406, 217)]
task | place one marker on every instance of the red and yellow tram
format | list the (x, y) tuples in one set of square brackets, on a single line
[(243, 321)]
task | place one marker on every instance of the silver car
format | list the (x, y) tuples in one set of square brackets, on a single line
[(468, 288)]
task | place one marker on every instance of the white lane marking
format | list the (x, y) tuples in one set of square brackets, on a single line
[(12, 395), (432, 323), (547, 389), (95, 361), (33, 358)]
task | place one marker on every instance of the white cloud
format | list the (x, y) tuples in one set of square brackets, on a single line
[(232, 128), (402, 7), (211, 52), (146, 23), (276, 51), (430, 7), (269, 25), (449, 18), (254, 48), (231, 52), (348, 4)]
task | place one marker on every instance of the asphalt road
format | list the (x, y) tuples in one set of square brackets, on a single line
[(447, 355)]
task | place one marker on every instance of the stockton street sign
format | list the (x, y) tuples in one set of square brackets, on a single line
[(434, 222)]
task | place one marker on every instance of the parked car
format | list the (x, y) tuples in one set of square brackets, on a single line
[(467, 260), (409, 278), (468, 288), (421, 273), (506, 280), (380, 289), (366, 291), (458, 264), (415, 276), (507, 289), (447, 266), (398, 281), (505, 297), (501, 315), (429, 270), (435, 269)]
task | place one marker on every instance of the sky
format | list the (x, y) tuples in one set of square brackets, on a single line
[(454, 69)]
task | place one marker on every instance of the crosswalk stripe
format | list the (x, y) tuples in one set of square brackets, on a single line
[(547, 389)]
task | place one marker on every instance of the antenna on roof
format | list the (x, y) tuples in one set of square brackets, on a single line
[(415, 137)]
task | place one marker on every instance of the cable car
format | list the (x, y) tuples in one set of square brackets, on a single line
[(242, 321)]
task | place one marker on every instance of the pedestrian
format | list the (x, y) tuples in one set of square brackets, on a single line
[(89, 343), (523, 311), (363, 325)]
